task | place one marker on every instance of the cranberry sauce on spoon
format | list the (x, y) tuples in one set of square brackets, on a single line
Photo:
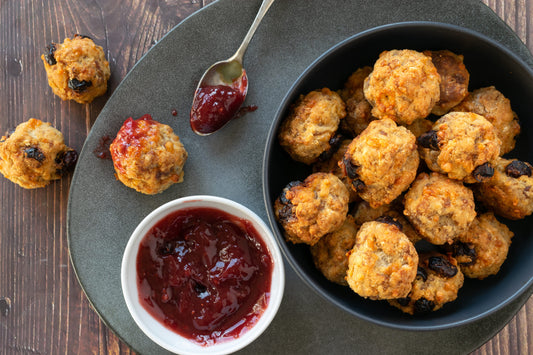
[(223, 87)]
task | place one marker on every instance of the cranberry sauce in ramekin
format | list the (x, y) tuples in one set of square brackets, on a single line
[(205, 274)]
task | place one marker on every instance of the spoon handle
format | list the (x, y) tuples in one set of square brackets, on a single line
[(262, 11)]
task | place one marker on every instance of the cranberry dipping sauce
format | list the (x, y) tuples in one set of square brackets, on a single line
[(202, 274)]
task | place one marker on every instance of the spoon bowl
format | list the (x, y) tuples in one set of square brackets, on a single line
[(222, 89)]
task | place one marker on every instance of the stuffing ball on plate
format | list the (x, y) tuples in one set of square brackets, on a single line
[(312, 122), (420, 126), (35, 154), (77, 69), (439, 208), (404, 85), (310, 209), (331, 165), (437, 282), (481, 251), (358, 109), (459, 143), (147, 155), (330, 252), (362, 212), (496, 108), (454, 79), (383, 262), (509, 193), (381, 162)]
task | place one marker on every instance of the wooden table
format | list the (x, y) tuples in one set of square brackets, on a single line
[(43, 309)]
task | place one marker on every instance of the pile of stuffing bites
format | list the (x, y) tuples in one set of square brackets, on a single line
[(405, 153)]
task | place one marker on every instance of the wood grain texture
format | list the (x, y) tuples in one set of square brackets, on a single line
[(49, 313)]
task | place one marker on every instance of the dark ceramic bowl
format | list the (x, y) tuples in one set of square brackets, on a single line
[(489, 63)]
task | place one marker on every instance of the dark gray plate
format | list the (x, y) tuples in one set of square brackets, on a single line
[(102, 212)]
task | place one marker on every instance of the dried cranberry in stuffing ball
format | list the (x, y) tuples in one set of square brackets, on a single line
[(509, 193), (381, 162), (77, 69), (382, 263), (496, 108), (311, 124), (439, 208), (331, 165), (35, 154), (330, 252), (437, 282), (482, 250), (358, 109), (458, 143), (310, 209)]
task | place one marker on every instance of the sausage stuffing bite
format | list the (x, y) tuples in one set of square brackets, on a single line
[(358, 109), (77, 69), (147, 155), (362, 213), (331, 165), (312, 122), (458, 143), (509, 193), (404, 85), (438, 281), (381, 162), (439, 208), (454, 79), (482, 250), (496, 108), (34, 154), (330, 252), (383, 262), (420, 126), (310, 209)]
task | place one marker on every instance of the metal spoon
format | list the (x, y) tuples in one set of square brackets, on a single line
[(223, 87)]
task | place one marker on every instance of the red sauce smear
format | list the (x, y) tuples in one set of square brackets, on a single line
[(130, 134), (204, 274), (102, 150), (215, 105)]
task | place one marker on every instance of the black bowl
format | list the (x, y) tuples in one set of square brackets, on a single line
[(489, 63)]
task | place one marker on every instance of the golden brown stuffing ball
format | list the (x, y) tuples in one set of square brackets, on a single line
[(420, 126), (381, 162), (77, 69), (362, 212), (481, 251), (437, 282), (383, 262), (310, 209), (458, 143), (35, 154), (439, 208), (331, 165), (403, 86), (496, 108), (454, 79), (312, 122), (330, 252), (147, 155), (358, 109), (509, 193)]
